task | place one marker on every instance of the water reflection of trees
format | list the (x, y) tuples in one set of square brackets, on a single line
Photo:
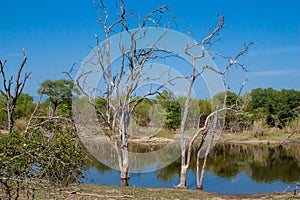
[(227, 160), (263, 163), (143, 157), (101, 168), (168, 173)]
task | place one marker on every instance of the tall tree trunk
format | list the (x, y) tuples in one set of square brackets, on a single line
[(185, 159), (124, 177), (212, 130), (200, 180), (198, 169), (125, 182), (123, 154), (182, 184), (12, 94), (10, 121), (124, 168)]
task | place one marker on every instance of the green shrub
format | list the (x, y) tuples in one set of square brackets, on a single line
[(37, 157)]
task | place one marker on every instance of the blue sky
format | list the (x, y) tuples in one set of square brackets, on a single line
[(58, 33)]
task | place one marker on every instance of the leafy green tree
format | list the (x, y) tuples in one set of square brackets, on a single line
[(219, 98), (101, 107), (205, 109), (101, 103), (231, 120), (25, 106), (262, 101), (142, 111), (173, 115), (193, 112), (246, 117), (59, 93), (277, 108), (172, 110), (289, 103), (23, 110)]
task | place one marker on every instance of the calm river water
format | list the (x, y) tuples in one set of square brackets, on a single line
[(231, 169)]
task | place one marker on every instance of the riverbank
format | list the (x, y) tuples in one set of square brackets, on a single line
[(113, 192), (266, 138), (237, 138)]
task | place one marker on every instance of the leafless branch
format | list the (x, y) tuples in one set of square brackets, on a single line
[(12, 94), (33, 113)]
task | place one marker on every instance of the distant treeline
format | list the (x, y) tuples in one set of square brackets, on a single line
[(269, 107)]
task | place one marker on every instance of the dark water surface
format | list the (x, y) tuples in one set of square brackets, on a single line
[(231, 169)]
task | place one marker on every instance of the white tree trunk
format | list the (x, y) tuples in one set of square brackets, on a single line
[(212, 130), (124, 168), (182, 184)]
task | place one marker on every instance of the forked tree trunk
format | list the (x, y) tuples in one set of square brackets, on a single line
[(12, 94), (200, 181), (213, 130)]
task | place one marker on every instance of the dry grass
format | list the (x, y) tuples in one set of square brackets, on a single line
[(113, 192), (267, 137)]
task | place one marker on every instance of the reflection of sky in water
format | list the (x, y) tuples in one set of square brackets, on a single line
[(240, 184), (273, 171)]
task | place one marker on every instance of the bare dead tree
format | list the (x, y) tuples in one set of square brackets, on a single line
[(187, 151), (215, 122), (12, 89), (186, 157), (119, 88), (212, 129), (33, 114)]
